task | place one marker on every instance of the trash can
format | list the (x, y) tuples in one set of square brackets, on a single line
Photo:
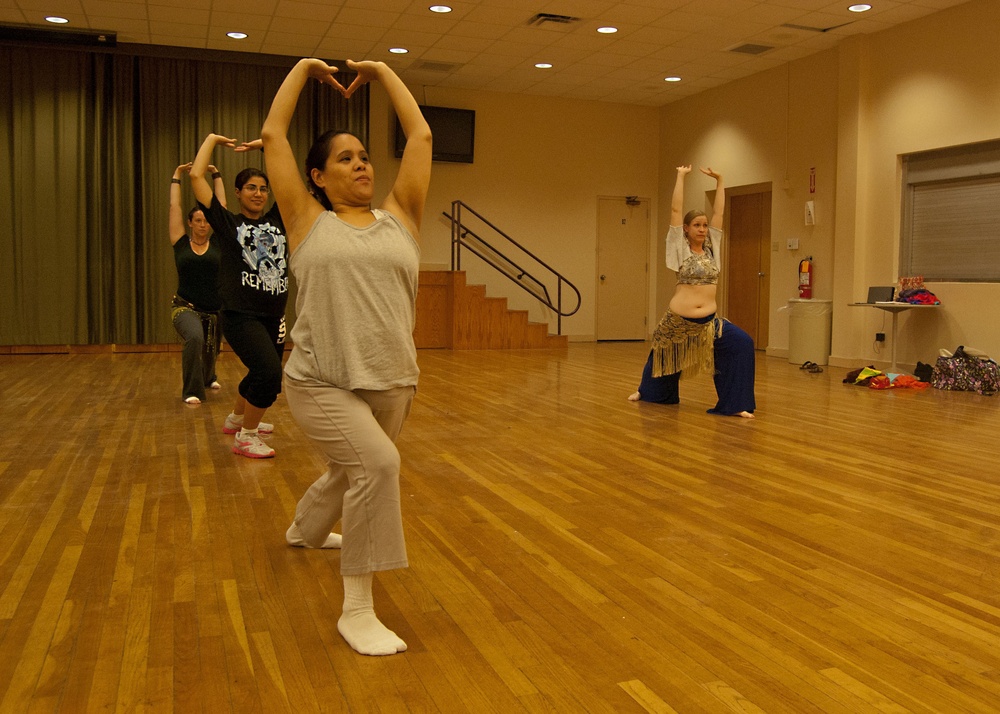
[(809, 330)]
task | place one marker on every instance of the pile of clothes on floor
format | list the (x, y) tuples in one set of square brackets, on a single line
[(876, 379)]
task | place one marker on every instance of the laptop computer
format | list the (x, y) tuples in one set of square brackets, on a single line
[(881, 294)]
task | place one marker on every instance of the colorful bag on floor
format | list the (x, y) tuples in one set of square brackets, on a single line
[(964, 373)]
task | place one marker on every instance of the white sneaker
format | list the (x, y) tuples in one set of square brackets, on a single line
[(294, 537), (252, 446), (234, 425), (215, 385)]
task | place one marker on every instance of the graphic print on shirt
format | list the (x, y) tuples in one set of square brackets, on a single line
[(264, 253)]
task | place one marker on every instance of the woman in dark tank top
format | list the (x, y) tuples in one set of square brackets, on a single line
[(194, 309)]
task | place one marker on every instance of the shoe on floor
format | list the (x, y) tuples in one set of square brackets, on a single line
[(293, 537), (234, 424), (251, 445), (192, 400)]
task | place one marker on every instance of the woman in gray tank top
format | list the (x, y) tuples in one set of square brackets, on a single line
[(352, 373)]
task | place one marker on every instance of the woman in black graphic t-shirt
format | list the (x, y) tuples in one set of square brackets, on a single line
[(253, 285)]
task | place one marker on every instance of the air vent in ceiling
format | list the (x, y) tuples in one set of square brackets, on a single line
[(751, 49), (810, 28), (548, 18), (430, 66)]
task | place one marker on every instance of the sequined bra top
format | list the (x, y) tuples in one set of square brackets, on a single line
[(698, 269)]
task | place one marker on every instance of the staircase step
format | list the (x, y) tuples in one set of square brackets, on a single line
[(452, 314)]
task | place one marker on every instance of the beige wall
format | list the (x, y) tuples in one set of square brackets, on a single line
[(928, 84), (850, 112), (541, 163)]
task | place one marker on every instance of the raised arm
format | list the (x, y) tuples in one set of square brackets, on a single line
[(719, 205), (298, 208), (202, 189), (175, 215), (409, 192), (677, 200), (218, 184)]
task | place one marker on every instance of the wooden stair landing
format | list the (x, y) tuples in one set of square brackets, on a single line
[(453, 315)]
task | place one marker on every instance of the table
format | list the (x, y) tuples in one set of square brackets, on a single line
[(895, 308)]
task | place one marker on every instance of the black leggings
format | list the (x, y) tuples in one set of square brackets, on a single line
[(259, 342)]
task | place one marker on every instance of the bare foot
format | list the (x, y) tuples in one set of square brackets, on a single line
[(633, 397), (744, 415)]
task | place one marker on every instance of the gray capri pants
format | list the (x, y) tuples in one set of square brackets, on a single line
[(356, 431)]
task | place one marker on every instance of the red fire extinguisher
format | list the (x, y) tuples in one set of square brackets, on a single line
[(806, 278)]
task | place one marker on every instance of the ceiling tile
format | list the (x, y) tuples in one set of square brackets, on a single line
[(491, 43)]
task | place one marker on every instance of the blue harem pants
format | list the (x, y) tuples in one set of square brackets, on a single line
[(734, 374)]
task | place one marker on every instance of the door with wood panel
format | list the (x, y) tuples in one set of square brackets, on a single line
[(747, 263), (622, 268)]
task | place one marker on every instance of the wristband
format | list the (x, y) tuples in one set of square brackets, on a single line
[(173, 180), (217, 174)]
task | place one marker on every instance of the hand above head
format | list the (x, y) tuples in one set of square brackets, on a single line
[(223, 140), (714, 174), (323, 72), (367, 71), (183, 168), (249, 146), (211, 168), (682, 170)]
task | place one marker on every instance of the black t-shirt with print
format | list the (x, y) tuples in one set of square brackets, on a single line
[(253, 274)]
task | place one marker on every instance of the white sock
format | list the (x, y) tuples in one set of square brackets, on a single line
[(359, 626), (235, 418), (293, 536), (244, 432)]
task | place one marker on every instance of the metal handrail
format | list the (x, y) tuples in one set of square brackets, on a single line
[(505, 265)]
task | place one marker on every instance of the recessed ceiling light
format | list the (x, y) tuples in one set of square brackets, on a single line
[(543, 65), (56, 19), (398, 50), (607, 30), (860, 7), (237, 35), (671, 79), (439, 8)]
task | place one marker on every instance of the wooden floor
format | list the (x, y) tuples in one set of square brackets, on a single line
[(570, 551)]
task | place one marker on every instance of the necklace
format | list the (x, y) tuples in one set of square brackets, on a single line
[(194, 242)]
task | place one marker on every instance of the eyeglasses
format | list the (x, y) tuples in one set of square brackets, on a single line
[(253, 188)]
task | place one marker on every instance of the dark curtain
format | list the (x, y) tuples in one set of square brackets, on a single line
[(88, 143)]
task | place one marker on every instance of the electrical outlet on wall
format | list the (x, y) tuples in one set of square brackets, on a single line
[(792, 244)]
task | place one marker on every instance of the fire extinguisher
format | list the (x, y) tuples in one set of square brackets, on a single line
[(806, 278)]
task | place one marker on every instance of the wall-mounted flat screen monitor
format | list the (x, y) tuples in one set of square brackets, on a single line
[(454, 133)]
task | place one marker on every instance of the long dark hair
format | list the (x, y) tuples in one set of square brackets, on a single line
[(319, 152)]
